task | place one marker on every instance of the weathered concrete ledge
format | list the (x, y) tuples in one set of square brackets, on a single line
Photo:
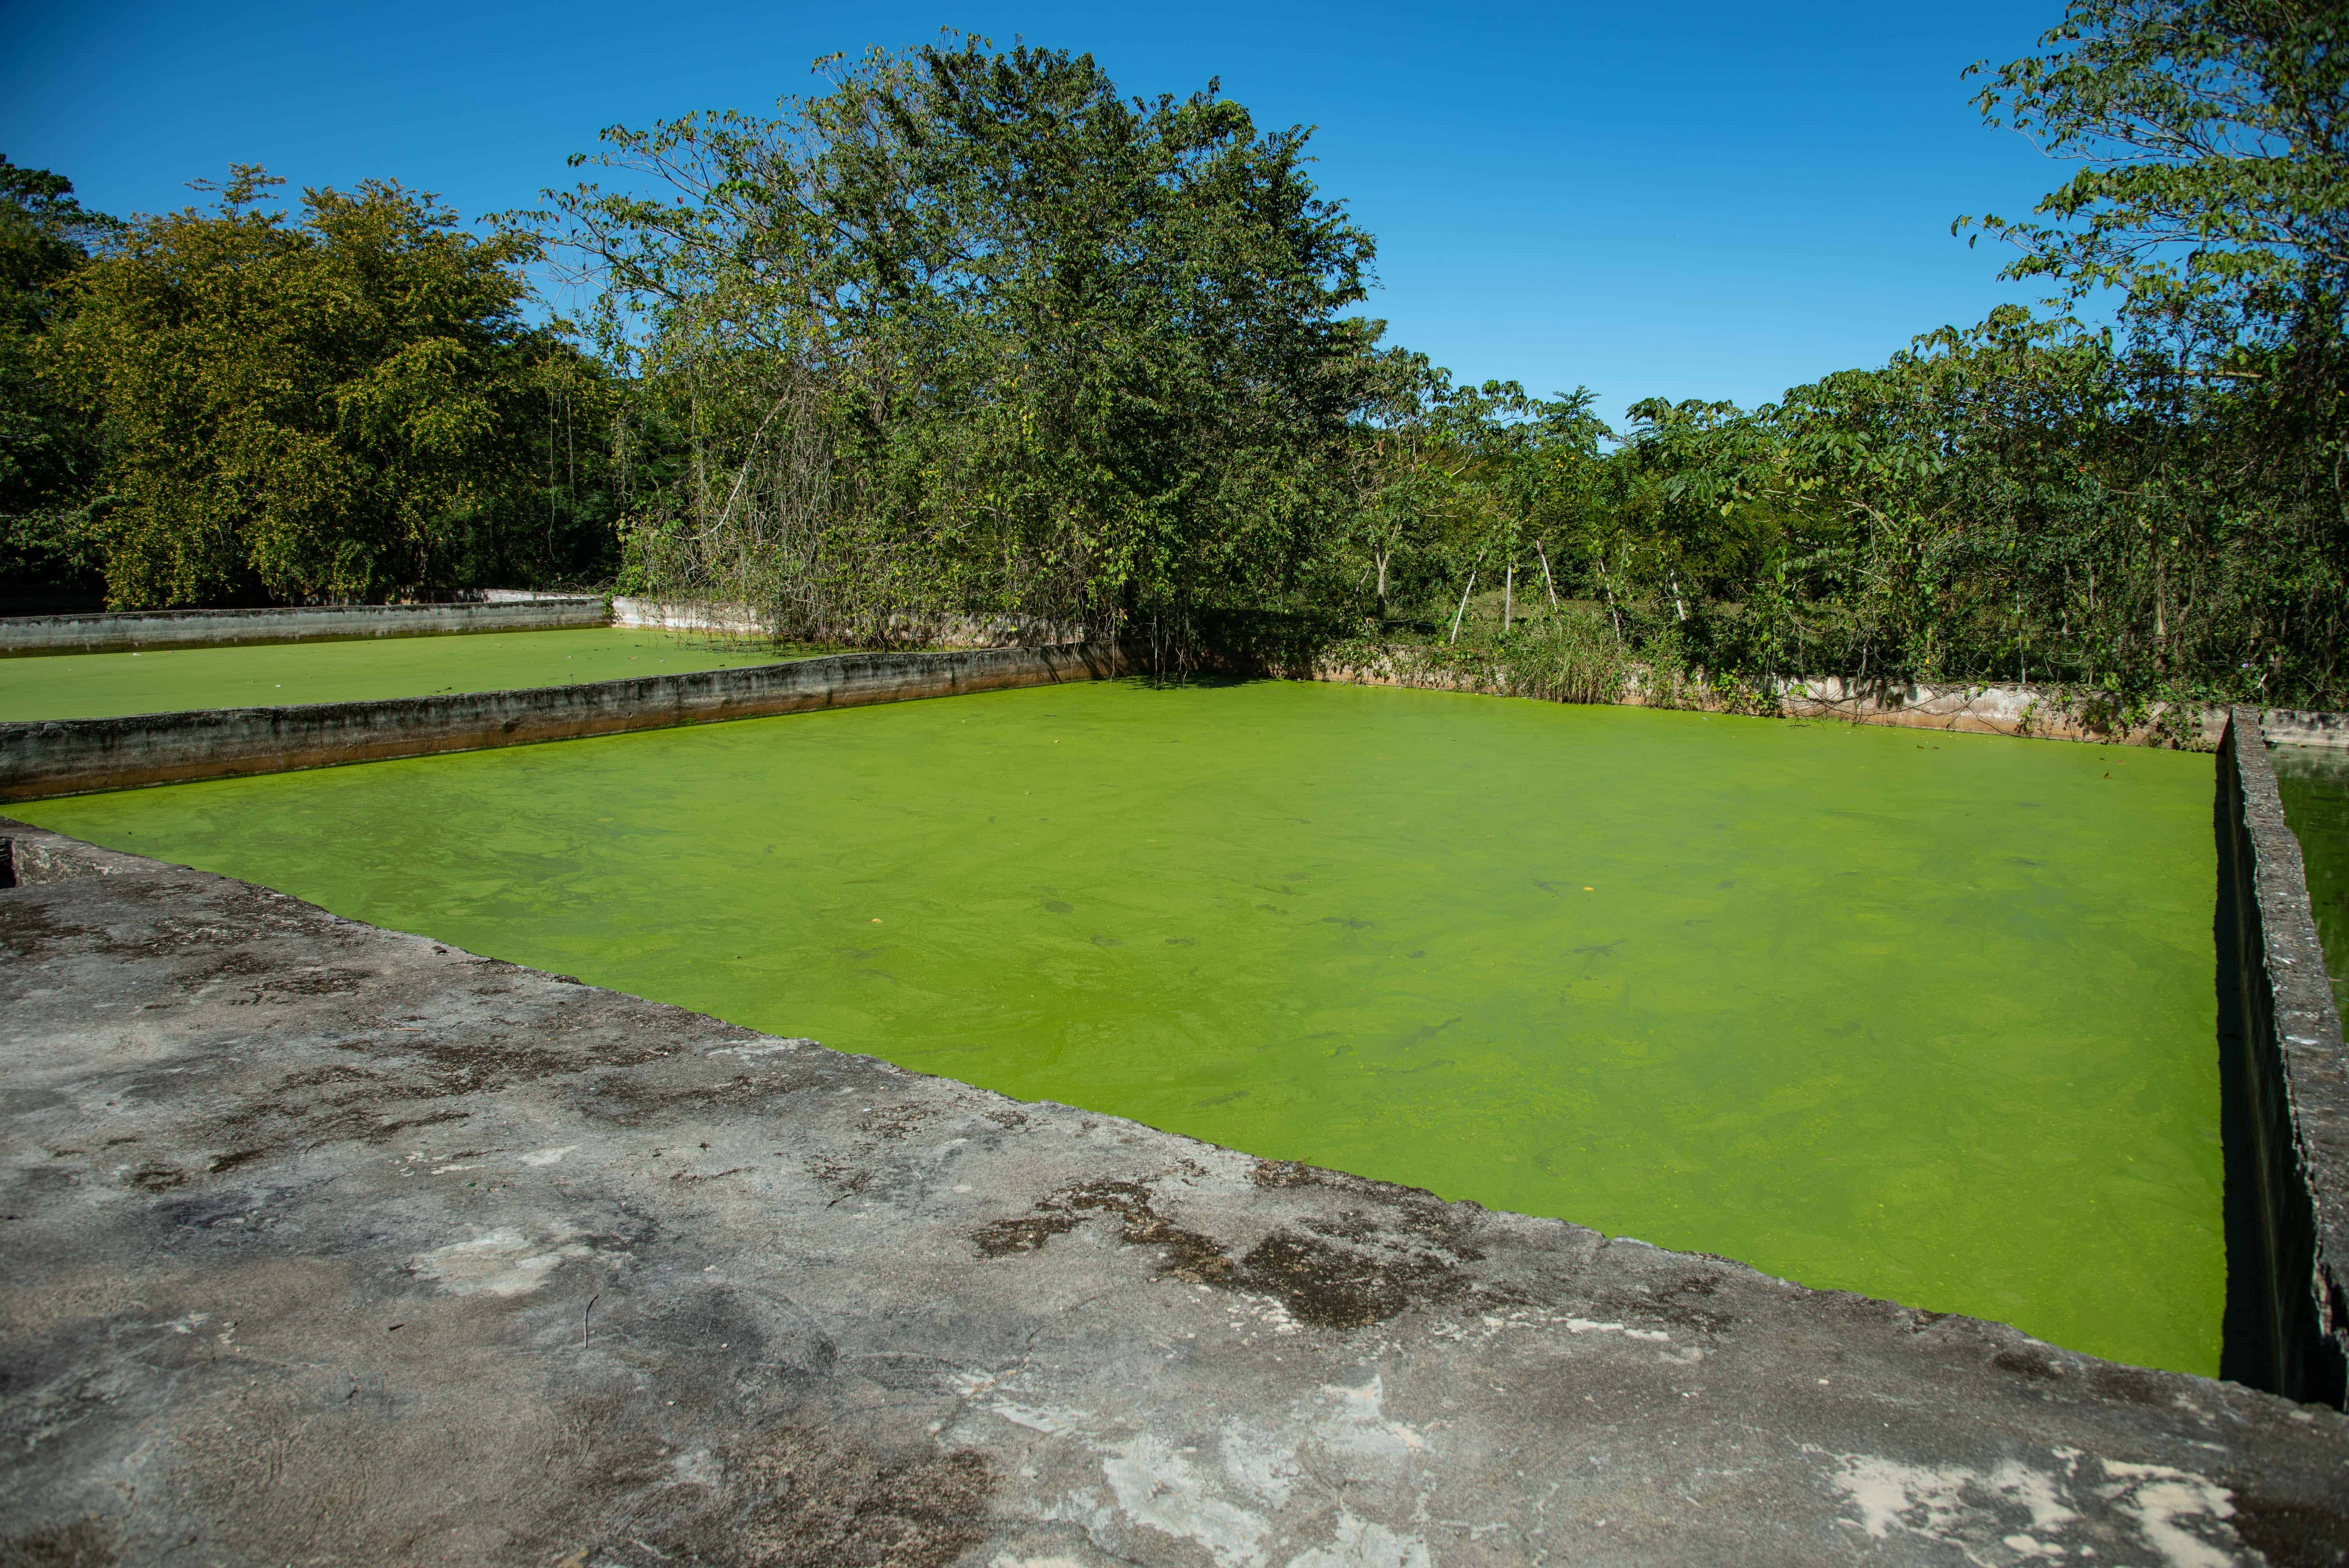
[(121, 631), (1998, 709), (66, 757), (2286, 1086), (916, 631), (1977, 709), (327, 1243)]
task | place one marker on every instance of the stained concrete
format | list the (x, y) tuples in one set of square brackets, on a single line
[(2301, 727), (330, 1244), (1972, 708), (114, 630)]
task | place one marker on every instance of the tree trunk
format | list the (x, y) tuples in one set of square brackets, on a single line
[(2160, 621), (1464, 603)]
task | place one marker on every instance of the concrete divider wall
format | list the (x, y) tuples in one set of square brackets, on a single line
[(67, 757), (916, 631), (1998, 708), (726, 620), (1993, 708), (141, 630), (2284, 1097)]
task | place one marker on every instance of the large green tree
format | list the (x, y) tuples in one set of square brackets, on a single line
[(2213, 196), (972, 331), (2213, 140), (344, 403)]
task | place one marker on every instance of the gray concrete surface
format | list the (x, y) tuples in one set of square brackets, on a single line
[(116, 631), (66, 757), (326, 1245)]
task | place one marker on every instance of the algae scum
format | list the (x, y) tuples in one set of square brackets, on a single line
[(1921, 1016)]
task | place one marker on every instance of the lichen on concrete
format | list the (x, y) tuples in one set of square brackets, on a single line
[(327, 1243)]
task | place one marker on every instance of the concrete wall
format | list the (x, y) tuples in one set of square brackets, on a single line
[(2297, 727), (731, 620), (69, 756), (1979, 709), (932, 632), (2284, 1097), (117, 632), (2003, 708)]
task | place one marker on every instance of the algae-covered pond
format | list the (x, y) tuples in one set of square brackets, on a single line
[(103, 685), (2314, 784), (1926, 1016)]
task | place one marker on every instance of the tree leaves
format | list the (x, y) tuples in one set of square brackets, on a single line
[(337, 407), (1049, 350)]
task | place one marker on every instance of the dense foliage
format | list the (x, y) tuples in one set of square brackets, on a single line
[(244, 406), (2156, 509), (48, 447), (970, 335)]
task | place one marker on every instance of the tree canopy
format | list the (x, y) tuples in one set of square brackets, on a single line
[(972, 333), (2213, 137), (336, 406), (48, 449)]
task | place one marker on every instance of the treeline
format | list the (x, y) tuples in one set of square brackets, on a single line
[(234, 405), (2155, 508), (970, 333)]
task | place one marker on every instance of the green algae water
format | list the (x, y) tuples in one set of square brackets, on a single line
[(1922, 1016), (2313, 782), (105, 686)]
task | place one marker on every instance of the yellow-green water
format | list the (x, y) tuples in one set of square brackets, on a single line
[(102, 686), (1926, 1017)]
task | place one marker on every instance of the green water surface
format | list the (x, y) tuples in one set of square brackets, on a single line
[(1926, 1016), (2313, 781), (103, 685)]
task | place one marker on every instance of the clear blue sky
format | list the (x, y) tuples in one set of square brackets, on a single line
[(1714, 200)]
